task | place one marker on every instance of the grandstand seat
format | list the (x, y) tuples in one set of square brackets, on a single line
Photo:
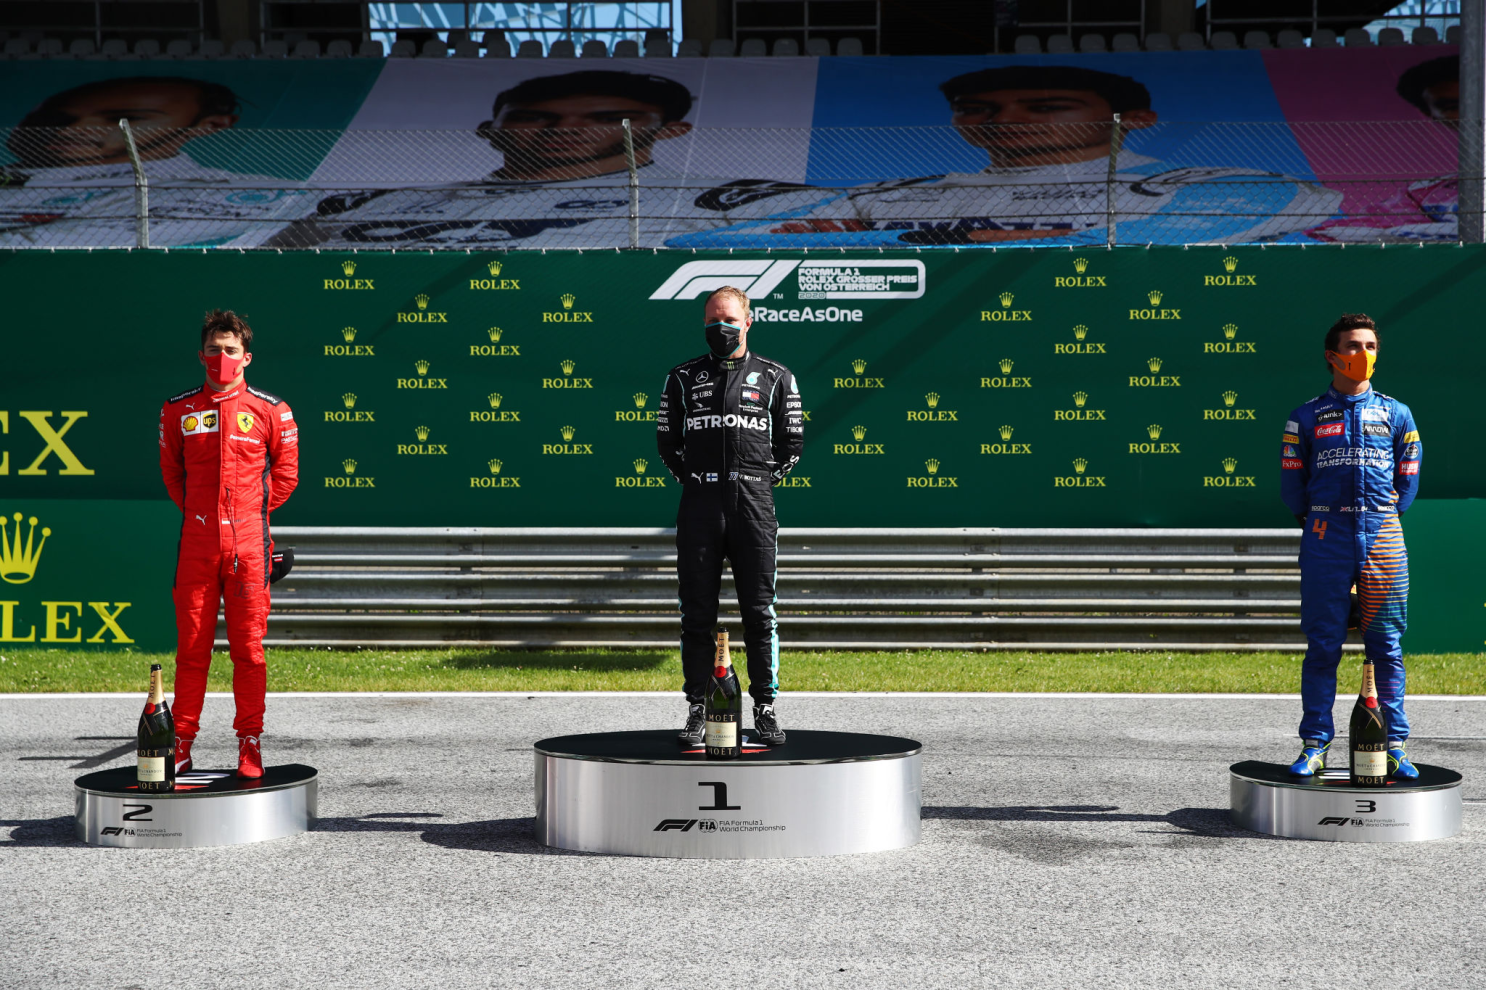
[(530, 48), (1357, 38), (434, 48), (179, 48), (562, 48), (721, 48), (48, 48), (499, 48), (1323, 38), (403, 48), (817, 47), (81, 48), (1390, 36), (114, 48), (1156, 41), (1028, 44), (370, 49), (16, 47), (339, 48), (753, 48), (306, 49), (1060, 44), (243, 48), (145, 48), (627, 48), (850, 47), (1092, 43), (1452, 34), (1190, 41), (466, 48), (212, 48), (657, 47), (594, 48), (1289, 38), (786, 47), (689, 48), (1256, 39), (1223, 41), (1125, 42), (1425, 36)]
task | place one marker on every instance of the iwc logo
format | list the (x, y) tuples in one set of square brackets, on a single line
[(495, 348), (933, 414), (1006, 314), (639, 414), (933, 479), (422, 314), (422, 381), (1078, 414), (1080, 478), (567, 446), (348, 269), (1080, 345), (1006, 446), (20, 555), (1228, 345), (1230, 401), (1006, 379), (350, 414), (1155, 313), (1079, 280), (1230, 266), (1154, 380), (567, 381), (350, 479), (1154, 447), (858, 433), (567, 314), (1228, 479), (421, 448), (495, 414), (350, 348), (640, 479), (494, 479), (859, 366), (493, 282)]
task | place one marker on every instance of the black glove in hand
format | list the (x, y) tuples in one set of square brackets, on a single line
[(283, 563)]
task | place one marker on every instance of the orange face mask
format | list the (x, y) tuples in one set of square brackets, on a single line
[(1357, 366)]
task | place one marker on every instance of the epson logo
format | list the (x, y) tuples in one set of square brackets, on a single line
[(715, 422)]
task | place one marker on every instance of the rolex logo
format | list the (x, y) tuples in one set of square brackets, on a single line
[(349, 399), (567, 366), (1154, 364), (1006, 298), (1006, 364), (1154, 296), (421, 432), (640, 399), (1229, 398), (349, 465), (567, 433), (568, 299), (1080, 465), (1006, 432), (859, 366), (494, 398), (859, 433), (349, 267), (422, 367), (640, 465), (349, 333), (494, 334), (1080, 332), (17, 560), (494, 464), (1230, 330), (1153, 431), (1079, 398), (422, 300), (932, 465), (1230, 263), (932, 399), (1080, 265), (1229, 463), (494, 267)]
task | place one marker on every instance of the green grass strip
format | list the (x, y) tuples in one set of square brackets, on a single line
[(800, 670)]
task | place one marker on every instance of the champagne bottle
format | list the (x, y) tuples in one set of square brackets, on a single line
[(156, 738), (1369, 735), (724, 705)]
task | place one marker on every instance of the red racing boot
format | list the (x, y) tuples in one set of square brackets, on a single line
[(249, 757), (183, 756)]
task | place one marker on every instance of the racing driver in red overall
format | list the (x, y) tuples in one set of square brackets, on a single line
[(229, 454)]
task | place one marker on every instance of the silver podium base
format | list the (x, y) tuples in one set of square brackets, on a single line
[(207, 808), (1267, 798), (639, 794)]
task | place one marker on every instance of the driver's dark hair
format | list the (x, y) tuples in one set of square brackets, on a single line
[(1121, 92), (1417, 79), (669, 96), (211, 98), (226, 321), (1350, 321)]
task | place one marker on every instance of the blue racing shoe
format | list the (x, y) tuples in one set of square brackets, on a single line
[(1312, 758), (1398, 761)]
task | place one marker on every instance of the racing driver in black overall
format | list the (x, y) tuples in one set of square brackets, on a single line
[(729, 426)]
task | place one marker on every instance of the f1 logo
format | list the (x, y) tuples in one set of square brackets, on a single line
[(675, 825), (1334, 821)]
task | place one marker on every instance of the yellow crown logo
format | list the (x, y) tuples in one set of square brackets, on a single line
[(1006, 298), (640, 399), (1229, 398), (349, 333), (567, 366), (494, 267), (1080, 332), (1080, 265), (1006, 364), (859, 366), (932, 465), (1006, 432), (349, 465), (494, 464), (1079, 398), (18, 561), (1080, 464), (1154, 296), (567, 432), (1229, 464), (421, 432), (494, 398), (1154, 364), (932, 399), (349, 267), (1230, 330), (1229, 264), (568, 299), (859, 432), (494, 334), (1153, 431), (640, 465), (422, 367), (422, 300), (349, 399)]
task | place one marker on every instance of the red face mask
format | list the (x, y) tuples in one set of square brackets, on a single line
[(221, 368)]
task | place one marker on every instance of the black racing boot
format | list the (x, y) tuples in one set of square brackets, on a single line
[(696, 724), (767, 725)]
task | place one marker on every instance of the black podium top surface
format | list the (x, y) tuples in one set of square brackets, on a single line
[(197, 783), (1430, 777), (660, 746)]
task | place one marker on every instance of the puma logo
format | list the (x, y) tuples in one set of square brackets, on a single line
[(201, 519)]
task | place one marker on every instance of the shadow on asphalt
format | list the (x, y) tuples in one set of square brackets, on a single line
[(497, 835), (40, 832), (1212, 823)]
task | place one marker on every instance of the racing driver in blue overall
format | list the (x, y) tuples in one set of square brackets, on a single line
[(1349, 466)]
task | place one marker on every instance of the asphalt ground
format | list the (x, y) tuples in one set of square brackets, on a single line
[(1068, 841)]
